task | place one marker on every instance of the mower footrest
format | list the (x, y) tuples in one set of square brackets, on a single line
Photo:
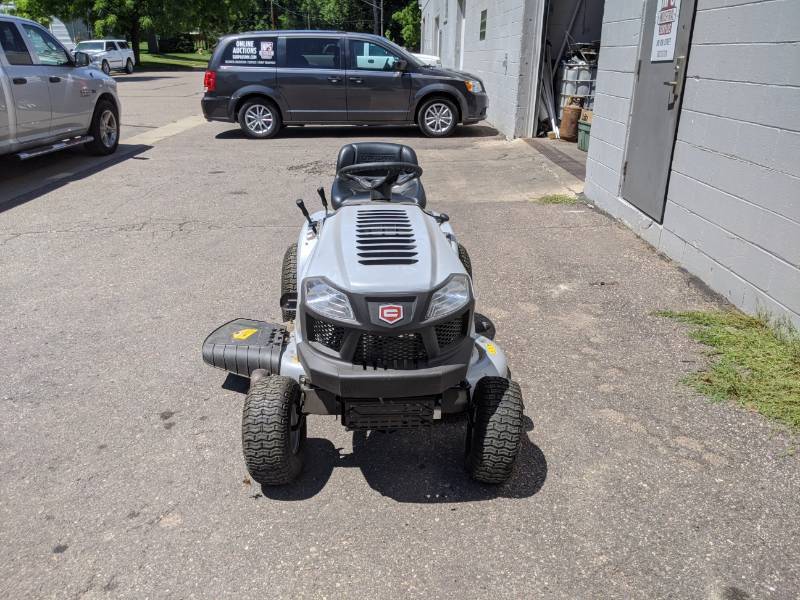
[(396, 413), (241, 346)]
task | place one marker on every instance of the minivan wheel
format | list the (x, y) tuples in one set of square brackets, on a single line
[(106, 67), (129, 66), (259, 119), (104, 129), (437, 117)]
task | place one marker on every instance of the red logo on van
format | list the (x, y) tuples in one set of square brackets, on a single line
[(391, 313)]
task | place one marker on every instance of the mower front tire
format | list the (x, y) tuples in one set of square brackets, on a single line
[(494, 429), (273, 430), (289, 280)]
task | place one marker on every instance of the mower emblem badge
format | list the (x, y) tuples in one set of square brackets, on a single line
[(243, 334), (390, 313)]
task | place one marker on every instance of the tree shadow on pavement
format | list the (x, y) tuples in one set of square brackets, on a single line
[(420, 466), (370, 131)]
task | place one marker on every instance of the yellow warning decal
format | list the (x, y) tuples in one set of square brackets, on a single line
[(491, 349), (243, 334)]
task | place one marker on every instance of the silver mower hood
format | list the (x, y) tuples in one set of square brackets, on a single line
[(383, 248)]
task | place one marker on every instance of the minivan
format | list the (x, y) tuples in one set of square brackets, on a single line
[(266, 80)]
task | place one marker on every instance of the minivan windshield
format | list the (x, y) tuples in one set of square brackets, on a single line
[(402, 52), (85, 46)]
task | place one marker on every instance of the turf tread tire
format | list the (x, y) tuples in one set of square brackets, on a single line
[(266, 431), (289, 279), (463, 256), (496, 430)]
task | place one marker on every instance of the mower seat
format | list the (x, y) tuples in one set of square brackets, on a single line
[(344, 190)]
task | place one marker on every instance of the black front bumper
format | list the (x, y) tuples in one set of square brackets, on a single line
[(477, 105), (347, 380), (215, 108)]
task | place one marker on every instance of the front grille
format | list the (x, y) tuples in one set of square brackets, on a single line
[(450, 332), (325, 333), (385, 237), (403, 351)]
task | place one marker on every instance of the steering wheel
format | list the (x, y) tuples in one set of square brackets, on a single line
[(363, 174)]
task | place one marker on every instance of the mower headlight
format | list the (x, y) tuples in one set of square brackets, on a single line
[(450, 297), (326, 300), (473, 86)]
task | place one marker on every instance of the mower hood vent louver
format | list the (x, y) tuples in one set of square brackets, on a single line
[(385, 237)]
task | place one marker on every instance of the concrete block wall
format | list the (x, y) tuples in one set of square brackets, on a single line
[(496, 59), (733, 204)]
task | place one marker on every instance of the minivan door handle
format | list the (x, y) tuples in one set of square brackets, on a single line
[(55, 79), (19, 81), (356, 80), (334, 79)]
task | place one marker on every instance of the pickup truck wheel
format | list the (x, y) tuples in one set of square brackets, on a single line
[(104, 129), (106, 67), (129, 66), (259, 119)]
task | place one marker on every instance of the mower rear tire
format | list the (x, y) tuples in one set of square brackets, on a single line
[(289, 279), (463, 256), (273, 430), (494, 430)]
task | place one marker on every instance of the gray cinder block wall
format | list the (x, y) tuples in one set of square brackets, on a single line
[(733, 205)]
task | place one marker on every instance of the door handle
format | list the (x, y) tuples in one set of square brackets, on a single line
[(356, 80), (677, 83), (19, 81), (334, 79), (55, 79)]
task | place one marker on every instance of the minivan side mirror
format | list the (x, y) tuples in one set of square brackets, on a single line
[(400, 64), (82, 59)]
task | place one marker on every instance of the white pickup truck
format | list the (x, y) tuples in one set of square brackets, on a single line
[(109, 55), (48, 99)]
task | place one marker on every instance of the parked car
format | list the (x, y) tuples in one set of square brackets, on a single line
[(48, 99), (264, 80), (109, 55), (428, 59)]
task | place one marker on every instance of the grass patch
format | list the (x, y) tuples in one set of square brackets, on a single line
[(557, 199), (756, 362), (174, 61)]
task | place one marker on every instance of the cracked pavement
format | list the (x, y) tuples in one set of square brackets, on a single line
[(120, 463)]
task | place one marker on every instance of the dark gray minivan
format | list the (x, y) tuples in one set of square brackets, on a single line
[(265, 80)]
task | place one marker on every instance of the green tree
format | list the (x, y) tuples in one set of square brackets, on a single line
[(408, 19)]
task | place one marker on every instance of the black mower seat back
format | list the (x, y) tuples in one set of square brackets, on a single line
[(344, 190)]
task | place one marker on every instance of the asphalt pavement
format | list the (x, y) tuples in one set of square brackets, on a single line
[(121, 473)]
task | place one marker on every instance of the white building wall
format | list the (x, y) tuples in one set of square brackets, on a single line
[(733, 205), (498, 59)]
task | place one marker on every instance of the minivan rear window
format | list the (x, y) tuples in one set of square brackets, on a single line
[(251, 52), (313, 53)]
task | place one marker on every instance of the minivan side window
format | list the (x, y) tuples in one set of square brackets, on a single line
[(46, 47), (313, 53), (371, 57), (13, 45)]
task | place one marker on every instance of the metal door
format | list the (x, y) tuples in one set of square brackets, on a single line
[(311, 78), (656, 104), (375, 90), (70, 98), (30, 96)]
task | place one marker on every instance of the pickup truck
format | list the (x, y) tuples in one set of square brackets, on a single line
[(109, 55), (50, 100)]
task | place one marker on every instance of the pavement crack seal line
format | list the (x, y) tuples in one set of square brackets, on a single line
[(148, 138)]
